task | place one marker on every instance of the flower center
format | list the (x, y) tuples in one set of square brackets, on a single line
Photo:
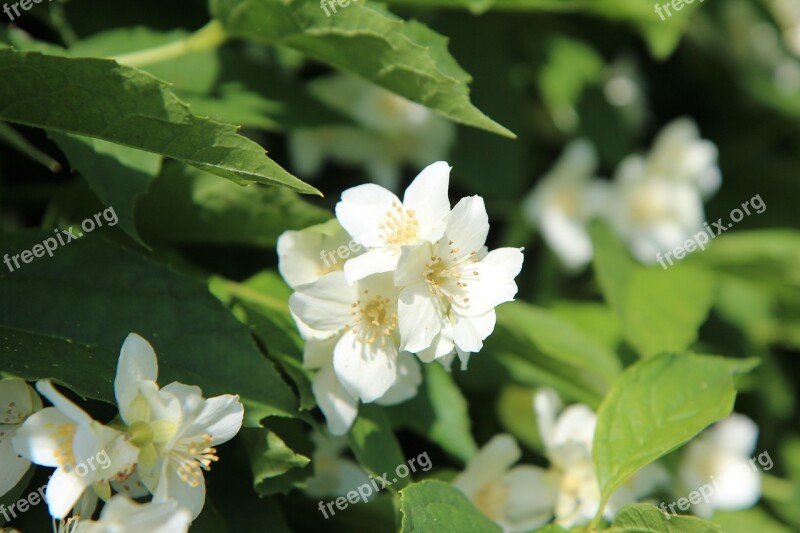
[(492, 499), (141, 434), (437, 274), (374, 319), (647, 206), (401, 226), (190, 459)]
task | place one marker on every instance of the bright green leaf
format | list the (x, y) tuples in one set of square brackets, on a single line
[(646, 518), (436, 506)]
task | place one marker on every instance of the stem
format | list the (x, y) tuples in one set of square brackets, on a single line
[(242, 292), (211, 35)]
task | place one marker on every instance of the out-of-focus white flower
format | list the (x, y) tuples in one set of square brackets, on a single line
[(721, 457), (517, 498), (787, 15), (334, 475), (679, 154), (18, 401), (564, 201), (452, 286), (651, 213), (389, 132), (568, 437), (122, 515), (65, 437), (378, 220), (175, 427)]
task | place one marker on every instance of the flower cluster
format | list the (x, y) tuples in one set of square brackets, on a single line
[(525, 497), (424, 283), (654, 203), (390, 131), (162, 441)]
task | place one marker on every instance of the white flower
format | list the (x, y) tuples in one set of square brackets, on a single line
[(175, 427), (720, 457), (338, 405), (653, 214), (363, 316), (451, 286), (568, 437), (564, 201), (378, 220), (393, 131), (122, 515), (519, 498), (65, 437), (18, 401), (681, 155), (305, 256)]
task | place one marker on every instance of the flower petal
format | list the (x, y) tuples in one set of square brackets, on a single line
[(491, 462), (16, 400), (375, 261), (411, 264), (469, 332), (339, 407), (14, 465), (468, 225), (532, 495), (300, 256), (494, 284), (324, 304), (60, 402), (366, 370), (427, 196), (172, 487), (63, 491), (137, 363), (419, 317), (37, 439), (409, 378), (221, 417), (362, 210)]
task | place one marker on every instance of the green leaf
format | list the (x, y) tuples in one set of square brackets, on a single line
[(118, 175), (439, 412), (405, 57), (71, 313), (654, 407), (660, 310), (646, 518), (748, 520), (376, 447), (262, 302), (14, 139), (101, 99), (435, 506), (186, 205), (276, 466)]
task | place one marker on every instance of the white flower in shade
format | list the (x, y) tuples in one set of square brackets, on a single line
[(391, 131), (338, 405), (452, 286), (305, 256), (517, 498), (65, 437), (721, 457), (122, 515), (568, 437), (378, 220), (653, 214), (175, 427), (564, 201), (681, 155), (363, 317), (18, 401), (334, 475)]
